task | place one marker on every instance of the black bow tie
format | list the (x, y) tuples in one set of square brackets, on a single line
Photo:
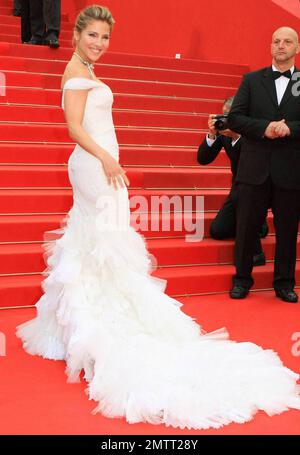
[(278, 74)]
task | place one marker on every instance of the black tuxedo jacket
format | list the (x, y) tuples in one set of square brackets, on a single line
[(254, 107), (207, 154)]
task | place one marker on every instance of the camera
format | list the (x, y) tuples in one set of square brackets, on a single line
[(221, 122)]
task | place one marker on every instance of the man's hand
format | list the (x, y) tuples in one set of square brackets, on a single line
[(211, 126), (282, 129), (229, 133), (277, 129)]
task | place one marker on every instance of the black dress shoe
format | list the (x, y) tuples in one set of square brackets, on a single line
[(287, 295), (259, 259), (34, 42), (54, 43), (238, 292)]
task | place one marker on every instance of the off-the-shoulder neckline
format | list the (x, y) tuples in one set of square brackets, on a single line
[(85, 79)]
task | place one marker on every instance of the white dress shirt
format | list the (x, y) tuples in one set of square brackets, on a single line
[(210, 141), (281, 84)]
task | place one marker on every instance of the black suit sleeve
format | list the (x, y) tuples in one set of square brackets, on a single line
[(294, 127), (239, 120), (207, 154)]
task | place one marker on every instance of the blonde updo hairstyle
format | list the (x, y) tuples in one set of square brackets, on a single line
[(90, 14)]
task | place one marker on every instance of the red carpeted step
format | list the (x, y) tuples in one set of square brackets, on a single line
[(10, 38), (107, 71), (133, 86), (13, 201), (170, 252), (6, 19), (43, 52), (10, 29), (160, 120), (57, 176), (28, 258), (164, 156), (45, 114), (29, 96), (25, 290), (10, 63), (27, 228), (35, 201), (170, 104), (50, 176), (24, 79), (134, 156), (21, 258), (33, 176), (162, 75), (14, 30), (54, 69), (187, 178), (34, 133), (121, 118), (212, 278), (126, 136), (16, 39), (6, 9), (19, 291), (31, 228), (6, 3), (21, 95), (169, 89), (35, 153)]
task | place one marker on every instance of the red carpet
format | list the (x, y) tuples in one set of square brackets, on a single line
[(36, 399)]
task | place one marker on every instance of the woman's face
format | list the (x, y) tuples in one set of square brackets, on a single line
[(93, 41)]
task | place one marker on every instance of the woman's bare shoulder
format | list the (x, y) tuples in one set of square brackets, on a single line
[(73, 70)]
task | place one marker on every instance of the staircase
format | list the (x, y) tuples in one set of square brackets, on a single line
[(160, 112), (291, 6)]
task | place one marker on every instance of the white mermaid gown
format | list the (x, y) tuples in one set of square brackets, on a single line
[(102, 313)]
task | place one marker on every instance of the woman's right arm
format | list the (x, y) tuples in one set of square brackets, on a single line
[(74, 106)]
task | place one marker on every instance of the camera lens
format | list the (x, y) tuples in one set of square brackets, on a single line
[(221, 122)]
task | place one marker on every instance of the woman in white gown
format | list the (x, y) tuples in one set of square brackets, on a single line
[(103, 313)]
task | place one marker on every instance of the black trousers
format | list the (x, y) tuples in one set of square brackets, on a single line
[(17, 6), (45, 19), (224, 225), (25, 21), (253, 203)]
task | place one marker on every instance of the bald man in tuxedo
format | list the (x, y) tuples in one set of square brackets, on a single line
[(266, 113)]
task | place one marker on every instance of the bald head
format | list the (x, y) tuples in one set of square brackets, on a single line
[(284, 47), (287, 31)]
